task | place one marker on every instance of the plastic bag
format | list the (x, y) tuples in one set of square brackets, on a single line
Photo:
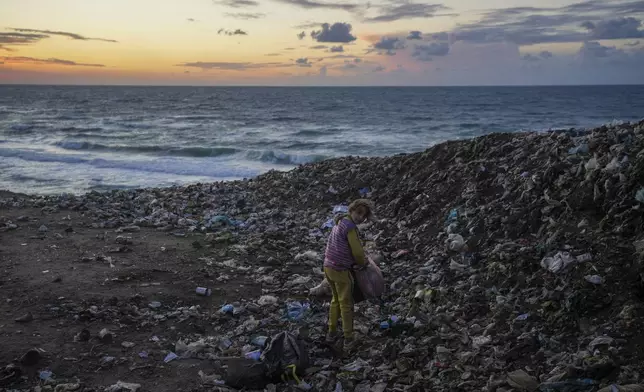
[(282, 352), (370, 280), (246, 373)]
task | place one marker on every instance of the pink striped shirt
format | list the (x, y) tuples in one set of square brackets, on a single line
[(338, 254)]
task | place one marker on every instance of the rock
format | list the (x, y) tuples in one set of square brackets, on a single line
[(267, 300), (522, 381), (105, 336), (31, 358), (25, 318), (69, 387), (128, 229), (83, 336), (43, 229), (123, 387)]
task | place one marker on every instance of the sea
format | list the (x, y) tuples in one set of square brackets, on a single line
[(75, 139)]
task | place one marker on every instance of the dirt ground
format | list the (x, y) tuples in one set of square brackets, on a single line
[(56, 277)]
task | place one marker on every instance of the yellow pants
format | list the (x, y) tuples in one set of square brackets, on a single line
[(341, 283)]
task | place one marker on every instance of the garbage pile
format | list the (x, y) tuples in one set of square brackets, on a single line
[(514, 263)]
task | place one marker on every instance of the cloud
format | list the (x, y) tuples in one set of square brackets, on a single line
[(531, 58), (635, 43), (579, 22), (406, 10), (245, 15), (425, 52), (323, 70), (318, 47), (414, 35), (389, 45), (379, 68), (191, 20), (273, 54), (593, 49), (313, 4), (237, 3), (301, 35), (303, 62), (20, 38), (2, 47), (231, 32), (63, 34), (348, 66), (307, 25), (337, 49), (231, 66), (357, 60), (32, 60), (337, 32), (620, 28), (546, 54)]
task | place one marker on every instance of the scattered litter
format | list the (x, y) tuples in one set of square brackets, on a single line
[(170, 357), (594, 279)]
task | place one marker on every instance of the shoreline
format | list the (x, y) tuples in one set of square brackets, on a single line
[(569, 131), (527, 249)]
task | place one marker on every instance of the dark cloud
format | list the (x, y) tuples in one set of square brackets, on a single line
[(32, 60), (620, 28), (379, 68), (312, 4), (337, 32), (546, 54), (349, 66), (62, 34), (231, 32), (414, 35), (289, 48), (405, 10), (578, 22), (245, 15), (237, 3), (636, 43), (2, 47), (231, 66), (191, 20), (301, 35), (388, 45), (303, 62), (337, 49), (273, 54), (426, 52), (357, 60), (21, 38), (318, 47), (323, 71)]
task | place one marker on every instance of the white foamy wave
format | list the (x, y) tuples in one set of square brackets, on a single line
[(282, 158), (171, 165)]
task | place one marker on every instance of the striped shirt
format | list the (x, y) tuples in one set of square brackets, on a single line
[(338, 255)]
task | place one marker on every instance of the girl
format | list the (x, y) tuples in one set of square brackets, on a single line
[(344, 252)]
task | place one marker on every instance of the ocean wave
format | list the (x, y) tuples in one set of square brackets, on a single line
[(196, 152), (268, 156), (176, 166), (282, 158)]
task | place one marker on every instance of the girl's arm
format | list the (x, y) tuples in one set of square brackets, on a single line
[(356, 247)]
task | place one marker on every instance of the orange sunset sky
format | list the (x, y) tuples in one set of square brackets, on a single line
[(301, 42)]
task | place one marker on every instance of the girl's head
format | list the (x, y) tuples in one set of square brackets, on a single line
[(361, 210)]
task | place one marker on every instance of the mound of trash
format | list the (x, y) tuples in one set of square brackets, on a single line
[(514, 261)]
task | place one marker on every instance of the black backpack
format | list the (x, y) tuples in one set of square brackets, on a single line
[(285, 356)]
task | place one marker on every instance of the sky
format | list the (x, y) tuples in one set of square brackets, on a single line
[(321, 42)]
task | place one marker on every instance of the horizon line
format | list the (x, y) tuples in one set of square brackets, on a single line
[(317, 86)]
